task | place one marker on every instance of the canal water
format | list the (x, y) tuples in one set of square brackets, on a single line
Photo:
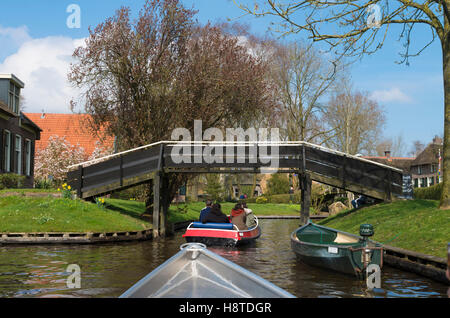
[(107, 270)]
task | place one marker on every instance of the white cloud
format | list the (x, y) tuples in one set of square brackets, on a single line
[(42, 64), (391, 95)]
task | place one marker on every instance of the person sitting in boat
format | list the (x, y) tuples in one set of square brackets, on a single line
[(215, 215), (205, 210), (238, 217), (359, 202), (251, 222)]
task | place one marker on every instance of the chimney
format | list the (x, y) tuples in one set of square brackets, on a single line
[(387, 153), (437, 140), (42, 115)]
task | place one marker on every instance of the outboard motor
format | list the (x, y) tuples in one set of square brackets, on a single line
[(366, 231)]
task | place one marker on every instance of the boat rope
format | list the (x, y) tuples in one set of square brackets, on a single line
[(390, 240)]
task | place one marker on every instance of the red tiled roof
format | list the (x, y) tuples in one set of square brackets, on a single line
[(71, 126)]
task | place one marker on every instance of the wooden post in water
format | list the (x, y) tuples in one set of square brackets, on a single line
[(164, 205), (306, 183), (156, 203)]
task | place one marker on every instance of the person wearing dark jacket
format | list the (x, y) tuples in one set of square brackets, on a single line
[(238, 217), (215, 215)]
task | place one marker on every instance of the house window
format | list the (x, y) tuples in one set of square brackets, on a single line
[(28, 157), (14, 97), (423, 182), (419, 169), (416, 183), (18, 154), (430, 181), (7, 151)]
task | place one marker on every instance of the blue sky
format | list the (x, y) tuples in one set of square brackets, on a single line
[(35, 44)]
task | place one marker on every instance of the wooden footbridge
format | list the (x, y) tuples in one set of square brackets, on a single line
[(154, 162)]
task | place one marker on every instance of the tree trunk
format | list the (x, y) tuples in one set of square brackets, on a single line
[(445, 196)]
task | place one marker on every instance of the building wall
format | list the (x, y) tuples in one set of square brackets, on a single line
[(425, 175), (13, 126)]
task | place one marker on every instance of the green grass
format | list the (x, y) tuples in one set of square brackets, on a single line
[(194, 208), (416, 225), (24, 191), (192, 211), (48, 214)]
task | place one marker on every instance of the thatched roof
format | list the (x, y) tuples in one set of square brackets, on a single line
[(429, 155), (403, 163)]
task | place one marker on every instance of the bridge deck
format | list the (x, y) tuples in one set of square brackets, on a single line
[(136, 166)]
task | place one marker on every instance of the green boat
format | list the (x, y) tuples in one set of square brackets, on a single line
[(340, 251)]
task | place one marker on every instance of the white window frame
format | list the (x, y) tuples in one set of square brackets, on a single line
[(7, 148), (18, 151), (14, 97), (28, 157)]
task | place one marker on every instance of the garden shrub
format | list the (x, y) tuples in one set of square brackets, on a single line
[(11, 181), (278, 184), (261, 200), (429, 193)]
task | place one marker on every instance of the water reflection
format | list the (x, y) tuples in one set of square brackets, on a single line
[(107, 270)]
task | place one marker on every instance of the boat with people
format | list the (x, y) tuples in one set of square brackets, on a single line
[(196, 272), (221, 234), (336, 250)]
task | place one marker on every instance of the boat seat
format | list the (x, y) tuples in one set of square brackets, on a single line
[(343, 239), (314, 235), (220, 226)]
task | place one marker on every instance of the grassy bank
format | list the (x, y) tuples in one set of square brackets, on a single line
[(48, 214), (416, 225), (21, 211), (177, 214), (191, 211)]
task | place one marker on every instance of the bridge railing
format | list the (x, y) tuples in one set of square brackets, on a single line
[(325, 165)]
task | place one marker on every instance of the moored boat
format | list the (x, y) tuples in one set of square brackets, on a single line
[(340, 251), (196, 272), (220, 234)]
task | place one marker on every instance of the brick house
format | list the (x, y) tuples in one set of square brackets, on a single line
[(74, 128), (18, 133), (424, 169)]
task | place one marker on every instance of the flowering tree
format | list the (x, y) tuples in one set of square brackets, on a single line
[(100, 151), (52, 162)]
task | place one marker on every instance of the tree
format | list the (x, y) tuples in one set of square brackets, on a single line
[(357, 121), (278, 184), (214, 187), (356, 28), (395, 145), (303, 77), (52, 161), (417, 148), (143, 78)]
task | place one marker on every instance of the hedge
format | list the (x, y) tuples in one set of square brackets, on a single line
[(429, 193), (11, 181)]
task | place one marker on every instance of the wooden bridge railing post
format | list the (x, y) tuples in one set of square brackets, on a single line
[(306, 183), (159, 183), (80, 181), (156, 203)]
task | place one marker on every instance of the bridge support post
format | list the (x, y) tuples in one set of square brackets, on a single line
[(306, 183), (156, 203), (164, 205)]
